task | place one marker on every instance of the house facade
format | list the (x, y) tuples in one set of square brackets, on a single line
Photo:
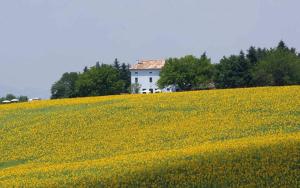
[(145, 74)]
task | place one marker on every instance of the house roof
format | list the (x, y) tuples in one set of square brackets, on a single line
[(148, 64)]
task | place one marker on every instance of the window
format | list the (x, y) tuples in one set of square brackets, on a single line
[(136, 80), (150, 79), (150, 72), (136, 72)]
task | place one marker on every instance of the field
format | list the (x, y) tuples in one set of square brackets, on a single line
[(215, 138)]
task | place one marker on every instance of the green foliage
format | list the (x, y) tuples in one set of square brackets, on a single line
[(2, 99), (23, 98), (117, 64), (234, 71), (135, 88), (99, 81), (125, 76), (10, 97), (260, 67), (65, 87), (187, 73), (281, 66)]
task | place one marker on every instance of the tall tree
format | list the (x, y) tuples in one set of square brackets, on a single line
[(116, 64), (125, 76), (85, 69), (252, 55), (281, 45), (97, 64)]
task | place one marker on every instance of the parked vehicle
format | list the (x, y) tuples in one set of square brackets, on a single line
[(146, 91)]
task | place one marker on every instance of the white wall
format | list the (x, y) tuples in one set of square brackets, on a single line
[(143, 78)]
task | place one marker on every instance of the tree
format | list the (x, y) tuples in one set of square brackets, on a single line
[(116, 64), (99, 81), (2, 99), (10, 97), (125, 76), (65, 87), (85, 69), (252, 55), (233, 72), (281, 45), (187, 72), (281, 66), (97, 64), (23, 98), (204, 73)]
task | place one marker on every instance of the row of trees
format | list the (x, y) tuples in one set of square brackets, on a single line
[(11, 97), (101, 79), (258, 67)]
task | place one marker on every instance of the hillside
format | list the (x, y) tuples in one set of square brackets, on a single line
[(234, 137)]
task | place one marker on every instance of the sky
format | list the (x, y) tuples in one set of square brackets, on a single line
[(42, 39)]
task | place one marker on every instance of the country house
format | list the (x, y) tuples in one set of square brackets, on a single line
[(145, 74)]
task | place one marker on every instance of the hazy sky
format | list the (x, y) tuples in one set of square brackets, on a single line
[(41, 39)]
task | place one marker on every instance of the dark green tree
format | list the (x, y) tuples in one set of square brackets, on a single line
[(204, 73), (252, 55), (23, 98), (233, 72), (116, 64), (99, 81), (65, 86), (2, 99), (281, 66), (281, 45), (10, 97), (125, 76), (85, 69), (97, 64)]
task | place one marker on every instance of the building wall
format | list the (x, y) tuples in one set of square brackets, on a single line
[(143, 77)]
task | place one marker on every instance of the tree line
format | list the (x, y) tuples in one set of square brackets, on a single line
[(101, 79), (258, 67), (277, 66), (10, 97)]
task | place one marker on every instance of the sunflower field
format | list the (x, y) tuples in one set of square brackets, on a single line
[(215, 138)]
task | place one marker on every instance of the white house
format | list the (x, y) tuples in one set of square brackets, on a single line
[(145, 75)]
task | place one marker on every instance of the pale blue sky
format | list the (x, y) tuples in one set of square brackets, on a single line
[(41, 39)]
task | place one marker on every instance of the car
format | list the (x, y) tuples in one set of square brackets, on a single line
[(158, 91), (145, 91)]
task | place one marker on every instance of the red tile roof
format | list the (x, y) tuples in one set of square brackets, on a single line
[(148, 64)]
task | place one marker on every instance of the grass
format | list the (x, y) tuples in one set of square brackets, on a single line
[(216, 138)]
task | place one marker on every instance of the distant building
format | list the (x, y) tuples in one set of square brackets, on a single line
[(145, 74), (6, 102), (14, 100), (34, 99)]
